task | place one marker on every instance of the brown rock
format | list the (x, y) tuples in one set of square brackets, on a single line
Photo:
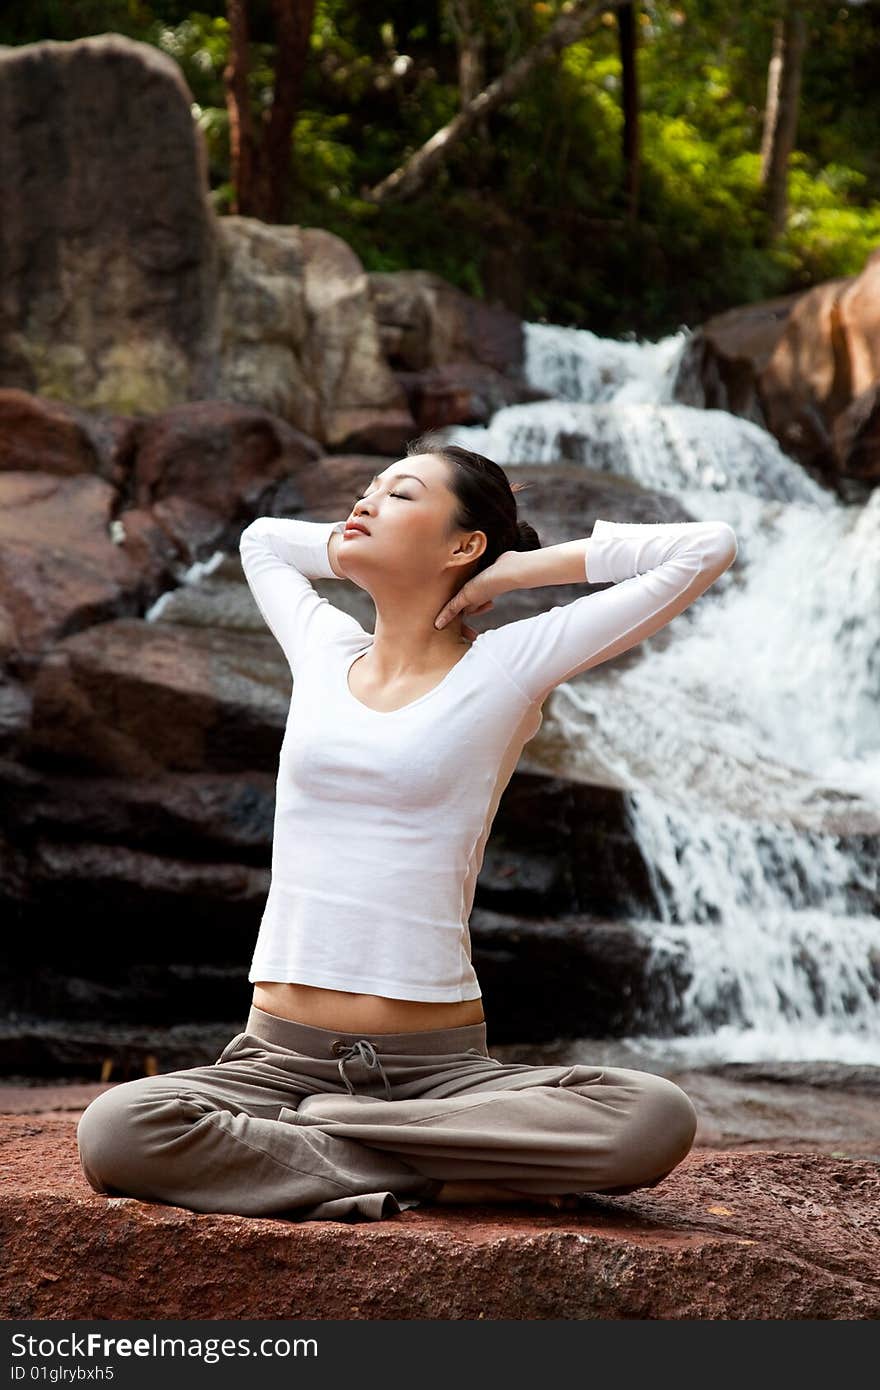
[(763, 1235), (217, 455), (125, 506), (41, 435), (44, 436), (109, 265), (797, 365), (725, 355), (858, 326), (856, 436), (299, 335), (165, 539), (426, 322), (805, 382), (376, 431), (133, 698), (462, 393), (60, 570)]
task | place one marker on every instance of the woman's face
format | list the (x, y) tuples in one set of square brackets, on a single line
[(408, 511)]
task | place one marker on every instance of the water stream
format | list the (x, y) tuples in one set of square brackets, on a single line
[(747, 739)]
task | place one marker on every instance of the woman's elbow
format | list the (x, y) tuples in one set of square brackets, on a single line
[(725, 545)]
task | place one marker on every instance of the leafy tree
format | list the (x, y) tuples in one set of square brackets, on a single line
[(620, 187)]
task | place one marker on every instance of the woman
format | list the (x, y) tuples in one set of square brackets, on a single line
[(362, 1084)]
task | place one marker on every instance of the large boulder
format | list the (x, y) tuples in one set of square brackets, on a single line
[(51, 436), (60, 571), (727, 1235), (108, 249), (122, 292), (299, 336), (457, 358), (426, 322), (804, 366), (100, 515)]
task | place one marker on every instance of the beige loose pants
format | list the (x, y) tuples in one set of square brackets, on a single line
[(306, 1123)]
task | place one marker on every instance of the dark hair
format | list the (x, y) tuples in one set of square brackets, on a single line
[(486, 499)]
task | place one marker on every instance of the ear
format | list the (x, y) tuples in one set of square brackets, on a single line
[(473, 546)]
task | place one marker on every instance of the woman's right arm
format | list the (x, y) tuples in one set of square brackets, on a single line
[(333, 552), (280, 557)]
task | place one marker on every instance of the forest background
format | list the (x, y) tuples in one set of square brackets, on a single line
[(629, 168)]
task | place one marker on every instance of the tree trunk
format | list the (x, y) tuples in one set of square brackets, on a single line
[(241, 127), (471, 42), (464, 21), (293, 21), (781, 113), (414, 173), (261, 150), (628, 44)]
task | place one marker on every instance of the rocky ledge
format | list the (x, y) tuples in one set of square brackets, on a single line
[(735, 1235)]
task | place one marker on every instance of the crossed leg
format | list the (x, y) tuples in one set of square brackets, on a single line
[(525, 1132), (252, 1135)]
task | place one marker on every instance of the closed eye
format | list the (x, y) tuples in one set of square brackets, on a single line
[(391, 494)]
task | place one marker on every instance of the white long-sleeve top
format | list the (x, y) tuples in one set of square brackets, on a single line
[(381, 818)]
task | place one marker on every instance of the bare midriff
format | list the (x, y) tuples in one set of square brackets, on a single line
[(361, 1013)]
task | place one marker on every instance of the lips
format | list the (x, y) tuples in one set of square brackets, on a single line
[(355, 526)]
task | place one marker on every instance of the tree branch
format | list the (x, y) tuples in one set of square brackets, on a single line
[(412, 175)]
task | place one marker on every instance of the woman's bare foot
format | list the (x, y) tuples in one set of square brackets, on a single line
[(458, 1193)]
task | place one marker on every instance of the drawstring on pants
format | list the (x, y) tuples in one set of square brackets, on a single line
[(364, 1049)]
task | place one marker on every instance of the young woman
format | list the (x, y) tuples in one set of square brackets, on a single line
[(362, 1083)]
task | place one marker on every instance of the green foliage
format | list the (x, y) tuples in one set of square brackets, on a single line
[(537, 216), (828, 232)]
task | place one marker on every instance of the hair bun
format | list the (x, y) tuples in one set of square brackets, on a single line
[(526, 537)]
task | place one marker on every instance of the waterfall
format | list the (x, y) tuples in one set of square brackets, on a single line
[(747, 739)]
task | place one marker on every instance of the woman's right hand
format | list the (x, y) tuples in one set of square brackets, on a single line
[(478, 594)]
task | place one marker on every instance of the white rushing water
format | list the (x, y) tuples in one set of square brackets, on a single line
[(748, 742)]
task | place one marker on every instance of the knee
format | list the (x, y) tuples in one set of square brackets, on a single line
[(107, 1137), (664, 1125), (650, 1130)]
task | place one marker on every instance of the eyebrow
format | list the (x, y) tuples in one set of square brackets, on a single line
[(397, 477)]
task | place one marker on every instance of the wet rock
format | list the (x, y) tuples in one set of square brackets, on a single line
[(136, 699), (60, 570), (856, 435), (461, 393), (554, 977), (47, 436)]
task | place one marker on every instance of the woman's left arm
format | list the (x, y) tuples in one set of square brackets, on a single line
[(655, 571)]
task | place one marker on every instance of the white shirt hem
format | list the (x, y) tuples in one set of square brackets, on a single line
[(365, 985)]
